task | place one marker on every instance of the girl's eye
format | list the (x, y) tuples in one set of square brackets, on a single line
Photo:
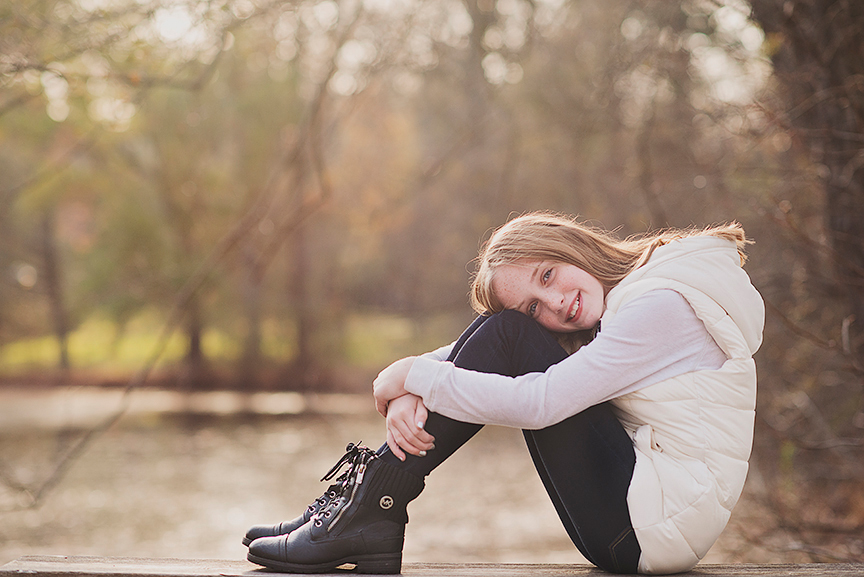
[(547, 274), (532, 309)]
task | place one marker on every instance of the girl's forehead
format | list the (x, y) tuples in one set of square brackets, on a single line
[(512, 277)]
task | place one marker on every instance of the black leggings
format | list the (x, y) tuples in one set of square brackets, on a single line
[(585, 462)]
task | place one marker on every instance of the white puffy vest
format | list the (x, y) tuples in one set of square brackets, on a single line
[(692, 433)]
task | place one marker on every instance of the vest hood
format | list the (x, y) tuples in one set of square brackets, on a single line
[(712, 266)]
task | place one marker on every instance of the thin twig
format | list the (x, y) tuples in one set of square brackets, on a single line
[(244, 225), (797, 329)]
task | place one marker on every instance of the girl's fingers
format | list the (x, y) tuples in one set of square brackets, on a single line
[(394, 446), (405, 418), (412, 419), (402, 433), (420, 416)]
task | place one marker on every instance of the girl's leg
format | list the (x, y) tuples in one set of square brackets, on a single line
[(585, 462), (502, 344)]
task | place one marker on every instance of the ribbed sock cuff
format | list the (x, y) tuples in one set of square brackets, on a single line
[(401, 485)]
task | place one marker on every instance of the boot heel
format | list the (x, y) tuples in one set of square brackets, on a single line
[(381, 564)]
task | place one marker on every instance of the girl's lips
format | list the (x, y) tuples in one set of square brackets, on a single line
[(575, 308)]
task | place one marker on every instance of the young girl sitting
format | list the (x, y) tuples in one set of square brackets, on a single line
[(641, 436)]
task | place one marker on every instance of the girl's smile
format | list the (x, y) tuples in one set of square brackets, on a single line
[(561, 297)]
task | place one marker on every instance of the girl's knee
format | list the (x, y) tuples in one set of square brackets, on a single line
[(510, 317), (517, 325), (503, 328)]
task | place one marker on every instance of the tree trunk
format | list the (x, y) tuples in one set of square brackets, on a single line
[(820, 66), (54, 288), (302, 368), (195, 362), (252, 279)]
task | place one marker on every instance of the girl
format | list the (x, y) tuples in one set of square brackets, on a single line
[(641, 437)]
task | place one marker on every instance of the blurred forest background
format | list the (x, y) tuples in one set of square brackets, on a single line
[(285, 195)]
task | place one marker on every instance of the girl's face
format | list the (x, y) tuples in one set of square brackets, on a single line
[(561, 297)]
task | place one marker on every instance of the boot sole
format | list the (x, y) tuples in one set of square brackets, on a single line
[(247, 541), (379, 564)]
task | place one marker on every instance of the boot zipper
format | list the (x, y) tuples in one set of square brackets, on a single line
[(361, 470)]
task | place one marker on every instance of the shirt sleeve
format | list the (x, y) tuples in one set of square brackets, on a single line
[(654, 337)]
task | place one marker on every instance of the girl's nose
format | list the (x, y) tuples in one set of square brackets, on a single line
[(554, 301)]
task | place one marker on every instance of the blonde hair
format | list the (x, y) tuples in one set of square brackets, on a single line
[(547, 236)]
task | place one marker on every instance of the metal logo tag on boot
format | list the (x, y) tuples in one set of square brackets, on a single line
[(386, 502)]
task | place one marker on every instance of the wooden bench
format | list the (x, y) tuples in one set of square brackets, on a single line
[(81, 566)]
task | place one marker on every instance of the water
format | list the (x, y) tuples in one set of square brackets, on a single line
[(184, 476)]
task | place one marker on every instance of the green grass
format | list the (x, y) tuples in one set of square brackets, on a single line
[(369, 341), (376, 341), (96, 343), (42, 351)]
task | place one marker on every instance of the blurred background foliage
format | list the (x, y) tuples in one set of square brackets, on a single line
[(284, 195)]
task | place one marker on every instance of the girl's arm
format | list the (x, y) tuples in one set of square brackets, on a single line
[(405, 413), (654, 337), (388, 384), (439, 354)]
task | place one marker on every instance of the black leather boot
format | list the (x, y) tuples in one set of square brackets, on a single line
[(364, 526), (352, 457)]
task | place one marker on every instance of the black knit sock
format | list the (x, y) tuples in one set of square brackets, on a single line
[(449, 436)]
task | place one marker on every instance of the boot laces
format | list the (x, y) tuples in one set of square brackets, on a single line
[(355, 456), (351, 456)]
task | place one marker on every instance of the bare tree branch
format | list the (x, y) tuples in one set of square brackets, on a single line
[(253, 216)]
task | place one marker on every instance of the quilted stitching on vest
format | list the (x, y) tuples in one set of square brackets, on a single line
[(692, 433)]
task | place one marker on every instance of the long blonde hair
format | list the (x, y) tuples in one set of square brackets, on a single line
[(548, 236)]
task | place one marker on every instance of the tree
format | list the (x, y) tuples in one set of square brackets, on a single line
[(817, 59), (84, 65), (817, 115)]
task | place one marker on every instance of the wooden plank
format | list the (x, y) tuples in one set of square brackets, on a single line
[(83, 566)]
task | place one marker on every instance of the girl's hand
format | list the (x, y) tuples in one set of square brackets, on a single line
[(405, 419), (390, 383)]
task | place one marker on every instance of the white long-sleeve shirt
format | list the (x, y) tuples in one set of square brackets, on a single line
[(654, 337)]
